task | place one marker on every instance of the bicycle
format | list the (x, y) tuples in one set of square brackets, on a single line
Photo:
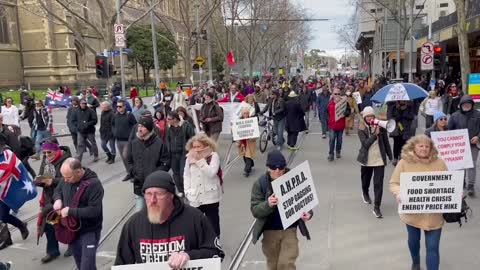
[(267, 133)]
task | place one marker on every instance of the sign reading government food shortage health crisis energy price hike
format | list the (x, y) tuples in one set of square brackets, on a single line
[(296, 194), (454, 148), (431, 192), (243, 129)]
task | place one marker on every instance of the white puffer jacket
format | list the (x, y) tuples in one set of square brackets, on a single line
[(201, 182)]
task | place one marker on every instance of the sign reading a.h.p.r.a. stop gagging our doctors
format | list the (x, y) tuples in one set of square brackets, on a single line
[(296, 194)]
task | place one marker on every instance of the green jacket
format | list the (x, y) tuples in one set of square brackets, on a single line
[(261, 190)]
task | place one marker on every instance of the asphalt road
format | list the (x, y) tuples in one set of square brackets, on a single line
[(345, 234)]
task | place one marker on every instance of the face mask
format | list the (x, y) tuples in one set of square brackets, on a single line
[(348, 93)]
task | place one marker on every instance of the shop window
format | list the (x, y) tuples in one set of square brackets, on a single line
[(419, 7)]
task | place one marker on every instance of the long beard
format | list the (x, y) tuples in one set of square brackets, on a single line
[(154, 215)]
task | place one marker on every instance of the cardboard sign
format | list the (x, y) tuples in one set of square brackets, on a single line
[(357, 97), (431, 192), (340, 109), (204, 264), (296, 194), (454, 148), (247, 128)]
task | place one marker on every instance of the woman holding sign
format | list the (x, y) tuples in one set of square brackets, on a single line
[(420, 155), (247, 148)]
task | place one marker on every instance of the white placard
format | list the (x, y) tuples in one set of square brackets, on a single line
[(204, 264), (357, 97), (296, 194), (431, 192), (340, 108), (454, 148), (247, 128)]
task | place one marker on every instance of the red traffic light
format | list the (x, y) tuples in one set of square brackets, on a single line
[(437, 49), (99, 61)]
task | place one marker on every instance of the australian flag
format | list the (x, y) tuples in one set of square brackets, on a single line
[(57, 99), (16, 184)]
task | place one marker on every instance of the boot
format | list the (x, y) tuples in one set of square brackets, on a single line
[(68, 252), (112, 159), (5, 237), (109, 157), (24, 231)]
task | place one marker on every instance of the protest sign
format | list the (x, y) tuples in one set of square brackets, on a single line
[(247, 128), (340, 108), (454, 148), (296, 194), (204, 264), (357, 97), (431, 192)]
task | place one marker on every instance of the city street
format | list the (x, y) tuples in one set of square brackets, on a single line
[(345, 234)]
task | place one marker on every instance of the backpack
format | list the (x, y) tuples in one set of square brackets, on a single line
[(457, 217), (219, 172)]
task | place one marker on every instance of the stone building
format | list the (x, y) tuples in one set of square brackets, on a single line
[(43, 43)]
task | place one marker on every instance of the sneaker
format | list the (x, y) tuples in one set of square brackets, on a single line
[(330, 158), (48, 258), (471, 191), (338, 155), (366, 198), (394, 162), (377, 213), (126, 178), (68, 252), (324, 136), (416, 267)]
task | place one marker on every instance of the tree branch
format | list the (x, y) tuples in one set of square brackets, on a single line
[(68, 9)]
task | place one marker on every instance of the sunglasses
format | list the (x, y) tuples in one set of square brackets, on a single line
[(336, 94), (119, 106), (47, 152), (443, 119), (273, 168)]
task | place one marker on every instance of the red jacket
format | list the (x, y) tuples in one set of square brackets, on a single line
[(238, 98), (332, 124)]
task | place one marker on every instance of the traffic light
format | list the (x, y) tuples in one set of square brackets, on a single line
[(101, 66), (439, 57)]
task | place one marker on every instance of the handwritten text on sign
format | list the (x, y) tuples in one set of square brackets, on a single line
[(454, 148), (243, 129), (296, 194), (340, 108), (431, 192), (204, 264)]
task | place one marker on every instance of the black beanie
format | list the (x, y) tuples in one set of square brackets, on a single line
[(147, 122), (275, 158), (159, 179)]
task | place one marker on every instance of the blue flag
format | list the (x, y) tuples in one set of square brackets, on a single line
[(16, 184)]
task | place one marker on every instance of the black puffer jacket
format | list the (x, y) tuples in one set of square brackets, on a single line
[(145, 157), (106, 128), (469, 120), (122, 125), (85, 120)]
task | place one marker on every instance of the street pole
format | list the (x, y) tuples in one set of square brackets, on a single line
[(430, 20), (122, 71), (399, 33), (410, 61), (385, 32), (209, 42), (197, 5), (154, 43)]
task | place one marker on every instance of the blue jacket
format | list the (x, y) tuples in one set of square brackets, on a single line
[(322, 104)]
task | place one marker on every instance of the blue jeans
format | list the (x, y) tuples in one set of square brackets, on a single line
[(324, 122), (52, 243), (335, 137), (84, 250), (278, 129), (432, 242), (111, 143), (139, 203), (39, 136)]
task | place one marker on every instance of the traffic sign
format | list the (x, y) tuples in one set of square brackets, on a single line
[(200, 61), (120, 40), (119, 29), (427, 55)]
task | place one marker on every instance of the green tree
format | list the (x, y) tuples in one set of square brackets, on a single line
[(139, 39), (218, 62)]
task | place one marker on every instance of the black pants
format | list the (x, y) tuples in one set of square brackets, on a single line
[(211, 212), (428, 121), (177, 163), (248, 164), (366, 175), (292, 139), (398, 143)]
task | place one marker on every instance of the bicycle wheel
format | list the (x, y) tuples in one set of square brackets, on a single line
[(263, 142)]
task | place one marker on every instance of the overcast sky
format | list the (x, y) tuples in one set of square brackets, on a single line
[(338, 11)]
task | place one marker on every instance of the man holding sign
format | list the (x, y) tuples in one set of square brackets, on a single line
[(167, 230), (419, 156), (279, 244)]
